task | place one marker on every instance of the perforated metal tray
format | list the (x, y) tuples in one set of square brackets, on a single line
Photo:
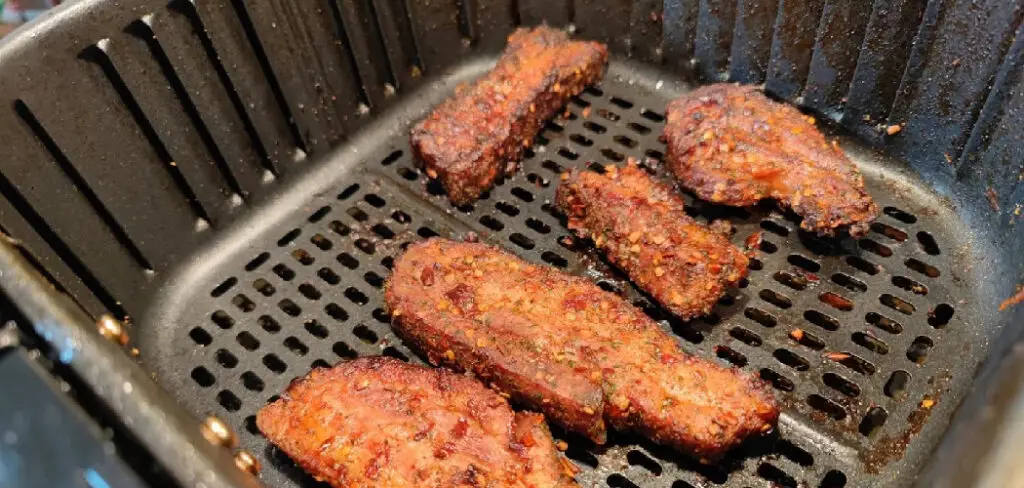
[(867, 343)]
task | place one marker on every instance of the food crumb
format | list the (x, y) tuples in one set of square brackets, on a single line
[(797, 334), (927, 403), (1013, 300), (836, 356), (893, 129), (993, 198)]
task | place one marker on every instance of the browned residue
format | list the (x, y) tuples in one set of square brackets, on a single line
[(1014, 300), (993, 198)]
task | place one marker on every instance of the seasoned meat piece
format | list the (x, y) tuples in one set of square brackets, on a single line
[(561, 345), (473, 138), (378, 421), (640, 226), (731, 145)]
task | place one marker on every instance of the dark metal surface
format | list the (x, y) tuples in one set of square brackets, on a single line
[(298, 285), (148, 144)]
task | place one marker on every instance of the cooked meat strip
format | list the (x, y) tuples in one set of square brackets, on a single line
[(378, 421), (640, 225), (473, 138), (559, 344), (730, 144)]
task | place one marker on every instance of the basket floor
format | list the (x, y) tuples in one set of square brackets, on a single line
[(866, 342)]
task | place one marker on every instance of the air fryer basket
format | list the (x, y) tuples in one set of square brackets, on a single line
[(233, 179)]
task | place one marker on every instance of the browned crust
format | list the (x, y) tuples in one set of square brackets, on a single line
[(378, 421), (730, 144), (561, 345), (640, 225), (470, 140)]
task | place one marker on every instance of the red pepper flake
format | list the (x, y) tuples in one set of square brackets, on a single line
[(836, 356), (753, 241)]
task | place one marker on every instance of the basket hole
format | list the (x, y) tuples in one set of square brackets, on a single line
[(874, 419), (576, 100), (774, 228), (821, 320), (804, 262), (203, 377), (840, 384), (252, 382), (654, 154), (348, 261), (621, 103), (435, 188), (492, 223), (289, 237), (374, 279), (366, 246), (755, 264), (250, 425), (552, 166), (681, 484), (400, 217), (760, 316), (618, 481), (319, 214), (224, 287), (226, 359), (731, 355), (320, 363), (833, 479), (882, 322), (889, 231), (553, 127), (296, 346), (776, 476), (348, 192), (652, 115), (268, 324), (321, 242), (243, 303), (791, 359), (918, 350), (522, 241), (274, 363), (597, 168), (745, 336), (767, 247), (853, 362), (910, 285), (357, 214), (375, 200), (897, 304), (608, 115), (248, 341), (593, 90), (387, 262), (355, 296), (870, 342), (263, 287), (522, 194), (507, 208), (826, 406), (554, 259), (284, 272), (639, 128), (336, 312), (329, 276), (257, 261), (794, 453), (567, 154), (896, 387), (381, 316), (222, 319), (289, 307), (807, 339), (538, 180), (608, 286), (940, 316), (538, 226), (836, 301), (200, 336), (902, 216), (625, 141), (365, 334), (794, 281), (778, 381), (637, 458), (392, 352), (316, 329), (581, 140), (874, 247), (922, 267), (339, 228), (303, 257), (863, 265), (343, 351), (928, 243), (775, 298), (408, 173), (850, 283), (613, 155), (229, 401)]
